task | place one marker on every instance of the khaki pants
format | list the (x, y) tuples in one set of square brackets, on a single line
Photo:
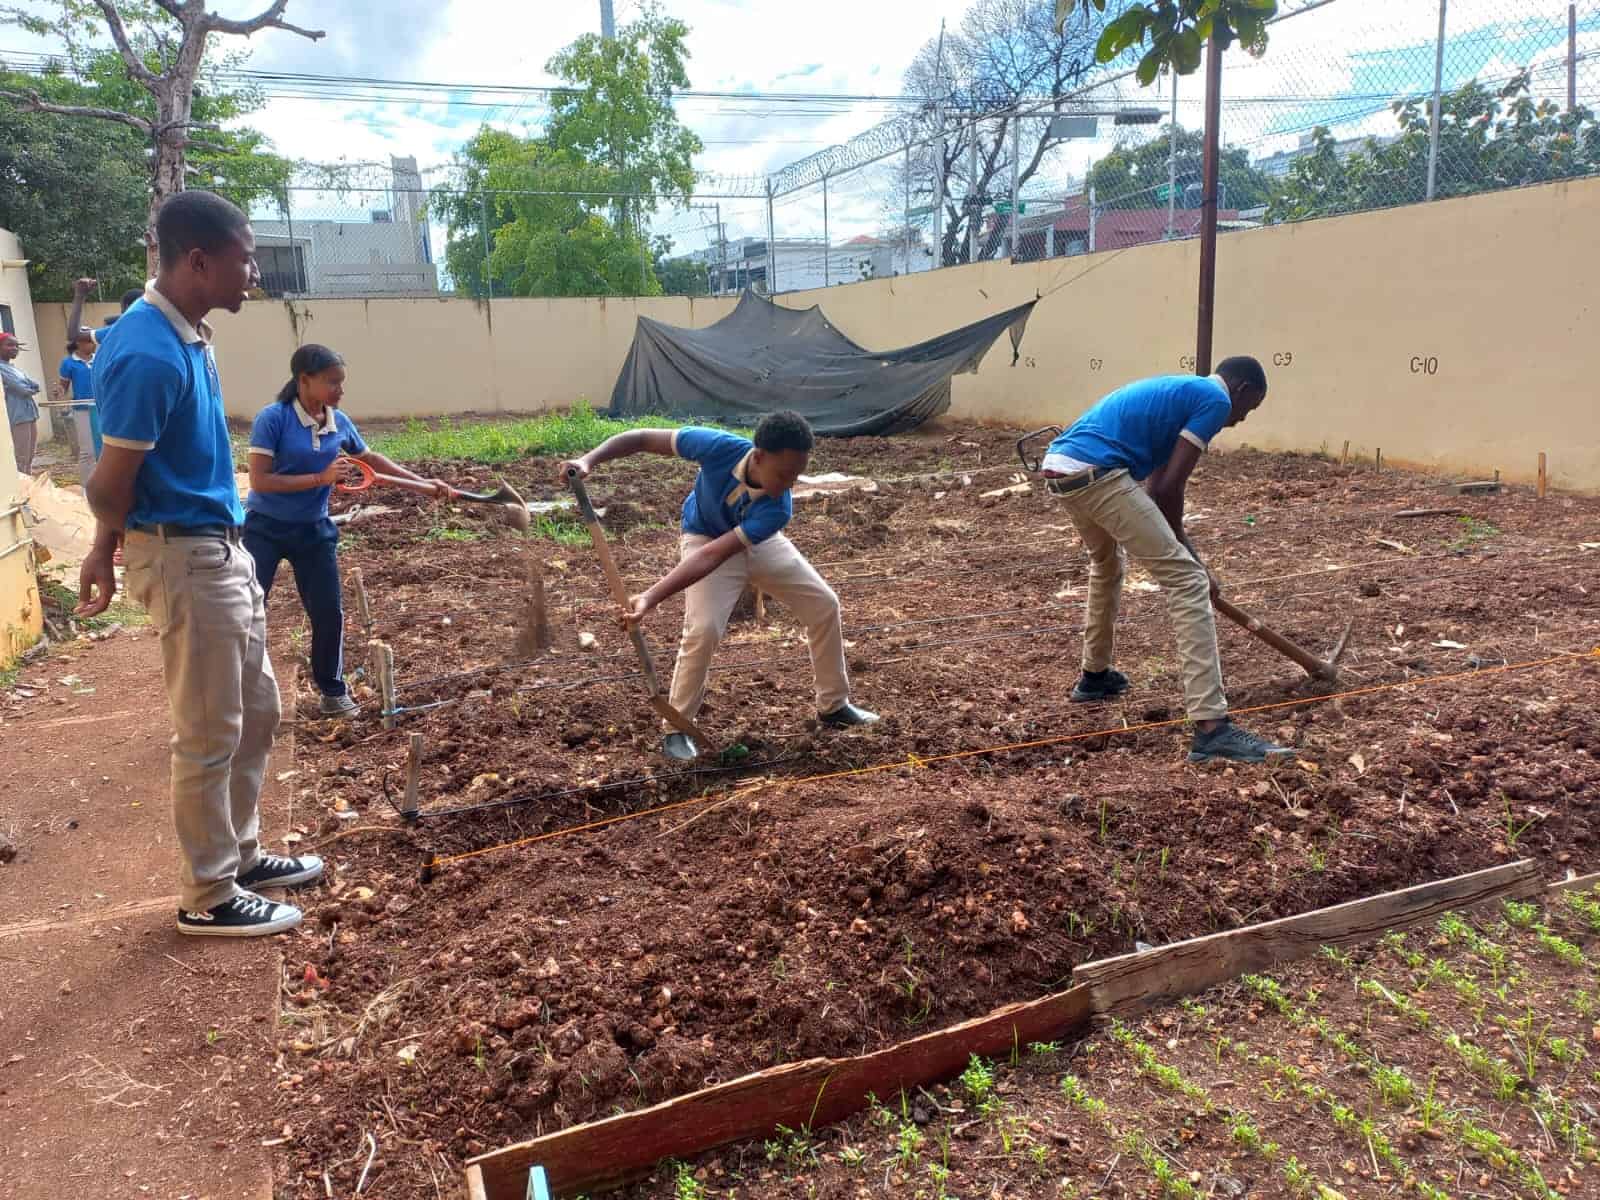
[(780, 570), (202, 596), (1114, 515), (82, 425), (24, 439)]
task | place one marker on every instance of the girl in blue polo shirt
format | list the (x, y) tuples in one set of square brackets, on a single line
[(294, 450), (78, 378)]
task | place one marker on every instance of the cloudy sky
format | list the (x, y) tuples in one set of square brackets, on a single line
[(1338, 65)]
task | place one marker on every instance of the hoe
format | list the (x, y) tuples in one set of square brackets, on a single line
[(1325, 670)]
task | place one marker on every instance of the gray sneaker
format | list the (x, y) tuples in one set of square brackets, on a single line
[(1235, 744), (338, 706)]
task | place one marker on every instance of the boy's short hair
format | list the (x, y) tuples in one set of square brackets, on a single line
[(128, 297), (196, 220), (1241, 368), (784, 431)]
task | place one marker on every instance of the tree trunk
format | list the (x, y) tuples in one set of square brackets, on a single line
[(174, 105)]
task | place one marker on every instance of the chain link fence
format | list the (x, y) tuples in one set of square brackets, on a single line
[(1336, 117), (1356, 105)]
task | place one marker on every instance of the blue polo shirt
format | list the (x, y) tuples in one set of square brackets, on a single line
[(1138, 426), (297, 445), (81, 376), (721, 499), (157, 389)]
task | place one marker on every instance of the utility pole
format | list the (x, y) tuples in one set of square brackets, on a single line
[(1208, 211), (1572, 58), (974, 201), (1016, 167), (1172, 162), (722, 252), (608, 20), (1433, 120), (772, 249), (938, 154), (908, 206), (827, 246)]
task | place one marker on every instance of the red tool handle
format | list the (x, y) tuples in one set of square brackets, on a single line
[(367, 479)]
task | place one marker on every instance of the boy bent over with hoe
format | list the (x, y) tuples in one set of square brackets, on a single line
[(1153, 432), (732, 537)]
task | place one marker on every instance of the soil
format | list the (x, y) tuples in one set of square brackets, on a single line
[(554, 981), (1338, 1073), (134, 1063)]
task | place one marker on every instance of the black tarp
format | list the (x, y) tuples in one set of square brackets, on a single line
[(762, 357)]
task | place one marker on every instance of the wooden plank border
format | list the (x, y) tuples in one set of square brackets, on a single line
[(820, 1091), (809, 1094), (1132, 982)]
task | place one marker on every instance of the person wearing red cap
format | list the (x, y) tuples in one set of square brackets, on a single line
[(21, 408)]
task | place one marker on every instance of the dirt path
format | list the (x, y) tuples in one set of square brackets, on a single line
[(131, 1060)]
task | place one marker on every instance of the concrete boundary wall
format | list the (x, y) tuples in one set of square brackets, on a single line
[(1458, 336)]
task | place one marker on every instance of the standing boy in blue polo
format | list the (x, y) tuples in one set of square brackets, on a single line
[(732, 537), (1153, 432), (165, 484)]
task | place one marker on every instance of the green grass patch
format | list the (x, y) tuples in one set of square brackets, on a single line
[(558, 528), (122, 612), (549, 435), (447, 533)]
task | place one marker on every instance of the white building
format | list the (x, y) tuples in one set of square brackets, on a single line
[(801, 263), (1279, 164), (388, 255)]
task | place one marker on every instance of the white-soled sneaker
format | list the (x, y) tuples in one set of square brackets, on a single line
[(281, 870), (246, 915)]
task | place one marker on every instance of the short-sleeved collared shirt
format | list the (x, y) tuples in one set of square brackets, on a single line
[(1138, 426), (157, 389), (81, 376), (722, 499), (299, 445)]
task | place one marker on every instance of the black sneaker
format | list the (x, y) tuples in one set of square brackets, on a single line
[(246, 915), (1099, 685), (279, 870), (680, 747), (846, 715), (1238, 745)]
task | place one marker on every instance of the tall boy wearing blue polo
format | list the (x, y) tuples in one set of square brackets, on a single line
[(732, 537), (165, 484), (1153, 432)]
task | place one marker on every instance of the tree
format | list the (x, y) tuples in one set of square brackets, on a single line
[(74, 192), (547, 232), (1131, 175), (1487, 140), (564, 214), (164, 54), (1007, 54), (680, 276), (619, 110), (1177, 30), (78, 192)]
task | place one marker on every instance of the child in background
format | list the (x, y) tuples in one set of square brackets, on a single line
[(77, 379)]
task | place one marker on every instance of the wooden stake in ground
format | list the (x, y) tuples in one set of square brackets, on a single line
[(358, 585), (1344, 457), (410, 804), (380, 660), (761, 607), (534, 636), (1541, 475)]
